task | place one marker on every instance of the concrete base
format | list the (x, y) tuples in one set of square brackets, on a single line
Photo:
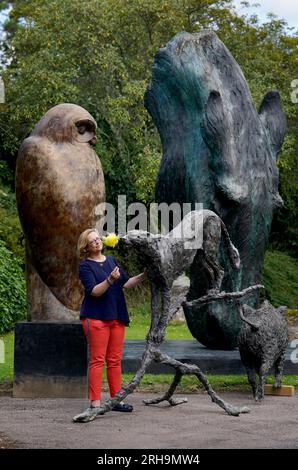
[(210, 361), (50, 360)]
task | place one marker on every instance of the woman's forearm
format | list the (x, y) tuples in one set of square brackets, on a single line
[(133, 281), (100, 288)]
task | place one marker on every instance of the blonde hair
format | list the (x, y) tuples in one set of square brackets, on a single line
[(82, 246)]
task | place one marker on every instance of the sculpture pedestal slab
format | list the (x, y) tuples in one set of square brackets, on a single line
[(50, 360)]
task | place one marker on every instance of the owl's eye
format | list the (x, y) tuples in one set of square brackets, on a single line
[(81, 129), (86, 130)]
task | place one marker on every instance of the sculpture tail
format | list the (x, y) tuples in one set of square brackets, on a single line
[(233, 253)]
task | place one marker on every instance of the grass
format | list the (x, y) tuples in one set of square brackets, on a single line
[(190, 384), (6, 369), (152, 382), (140, 324)]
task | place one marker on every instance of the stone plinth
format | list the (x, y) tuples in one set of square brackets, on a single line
[(50, 360)]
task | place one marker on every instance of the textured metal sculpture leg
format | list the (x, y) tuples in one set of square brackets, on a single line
[(182, 369), (152, 353)]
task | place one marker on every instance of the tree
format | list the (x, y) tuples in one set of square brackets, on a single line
[(99, 54), (12, 290)]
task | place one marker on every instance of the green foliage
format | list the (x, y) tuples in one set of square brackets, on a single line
[(286, 219), (6, 369), (10, 227), (280, 277), (6, 174), (12, 290), (51, 62), (99, 54), (4, 4)]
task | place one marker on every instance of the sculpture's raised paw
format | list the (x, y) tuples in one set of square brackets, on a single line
[(244, 409), (177, 401), (236, 410)]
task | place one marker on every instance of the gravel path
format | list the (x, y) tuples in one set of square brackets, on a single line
[(46, 423)]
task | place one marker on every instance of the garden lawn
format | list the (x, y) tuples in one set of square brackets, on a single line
[(6, 369), (139, 327)]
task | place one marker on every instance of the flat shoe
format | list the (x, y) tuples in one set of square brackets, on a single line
[(123, 407)]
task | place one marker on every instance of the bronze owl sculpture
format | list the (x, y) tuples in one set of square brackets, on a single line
[(60, 192)]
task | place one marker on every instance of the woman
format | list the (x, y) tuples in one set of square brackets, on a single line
[(104, 317)]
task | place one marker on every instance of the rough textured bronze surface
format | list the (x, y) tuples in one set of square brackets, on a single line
[(219, 151), (59, 189), (263, 342)]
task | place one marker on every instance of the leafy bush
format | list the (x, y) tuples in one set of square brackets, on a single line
[(12, 290), (10, 227), (280, 277), (6, 173)]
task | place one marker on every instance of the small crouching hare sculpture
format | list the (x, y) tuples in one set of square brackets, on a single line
[(263, 342)]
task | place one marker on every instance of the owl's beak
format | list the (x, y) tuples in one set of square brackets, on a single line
[(93, 141)]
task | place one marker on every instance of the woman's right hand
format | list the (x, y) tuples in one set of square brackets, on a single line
[(115, 274)]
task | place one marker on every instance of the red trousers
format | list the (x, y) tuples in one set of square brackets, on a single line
[(105, 344)]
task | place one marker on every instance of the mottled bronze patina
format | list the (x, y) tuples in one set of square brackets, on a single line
[(218, 150), (60, 190)]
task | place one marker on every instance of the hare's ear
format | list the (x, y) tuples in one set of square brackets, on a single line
[(273, 119)]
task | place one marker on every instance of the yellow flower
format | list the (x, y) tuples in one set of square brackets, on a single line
[(110, 240)]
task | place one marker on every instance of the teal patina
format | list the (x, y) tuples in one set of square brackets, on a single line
[(219, 151)]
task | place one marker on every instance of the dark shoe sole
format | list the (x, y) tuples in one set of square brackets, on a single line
[(124, 408)]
